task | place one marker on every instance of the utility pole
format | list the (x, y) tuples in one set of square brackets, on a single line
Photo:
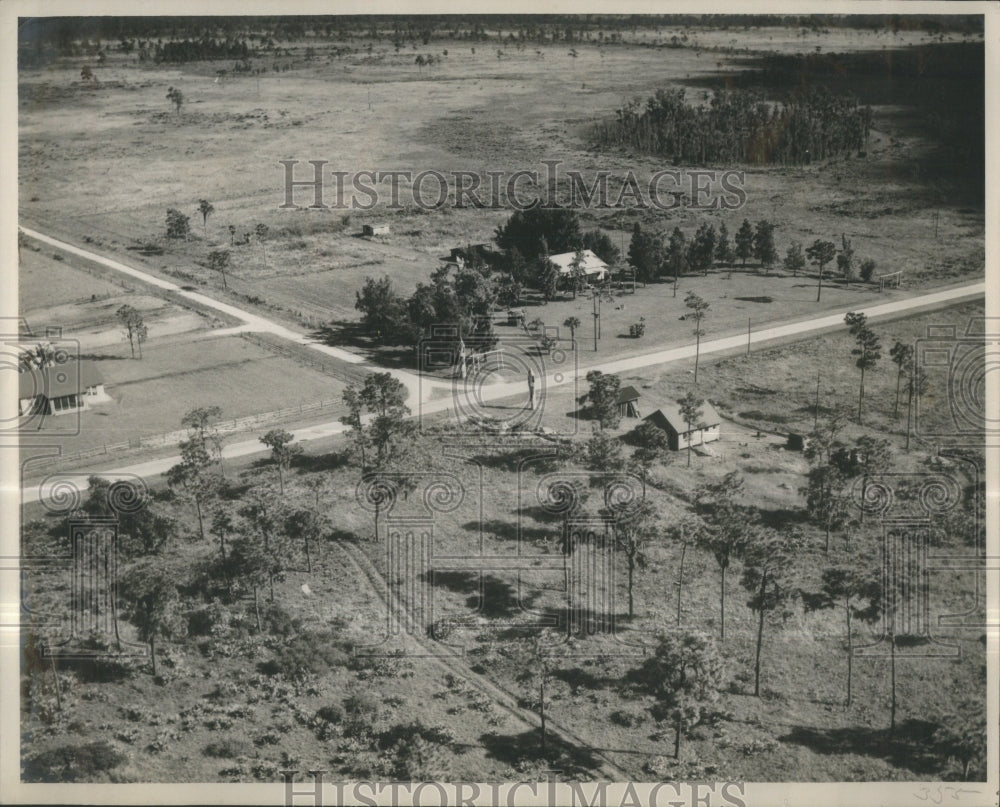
[(597, 318), (816, 407), (748, 336)]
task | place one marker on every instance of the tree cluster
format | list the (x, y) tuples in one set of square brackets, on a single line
[(740, 126)]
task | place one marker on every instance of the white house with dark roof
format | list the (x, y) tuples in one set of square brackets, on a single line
[(669, 418), (592, 266), (60, 388)]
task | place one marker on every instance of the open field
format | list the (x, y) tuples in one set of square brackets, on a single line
[(312, 261), (53, 294), (151, 395)]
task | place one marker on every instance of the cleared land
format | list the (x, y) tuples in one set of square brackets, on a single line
[(312, 261), (150, 395)]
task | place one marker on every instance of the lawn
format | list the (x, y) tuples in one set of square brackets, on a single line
[(150, 395), (44, 282)]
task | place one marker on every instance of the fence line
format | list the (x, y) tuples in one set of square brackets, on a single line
[(305, 356), (226, 427)]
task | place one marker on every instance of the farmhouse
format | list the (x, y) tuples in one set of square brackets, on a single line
[(60, 389), (668, 417), (593, 267)]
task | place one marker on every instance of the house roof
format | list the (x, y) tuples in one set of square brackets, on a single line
[(670, 415), (626, 394), (68, 378), (591, 265)]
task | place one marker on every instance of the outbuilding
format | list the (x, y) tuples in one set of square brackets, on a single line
[(628, 402)]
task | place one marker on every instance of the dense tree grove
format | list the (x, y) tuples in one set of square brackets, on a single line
[(740, 126)]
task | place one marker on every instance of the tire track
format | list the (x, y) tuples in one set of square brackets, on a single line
[(502, 697)]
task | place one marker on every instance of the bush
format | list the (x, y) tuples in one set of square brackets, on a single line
[(211, 620), (227, 748), (867, 269), (334, 713), (73, 763), (178, 225), (279, 622), (309, 654), (627, 719)]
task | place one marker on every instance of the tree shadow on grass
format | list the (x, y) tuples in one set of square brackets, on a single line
[(912, 747), (524, 749), (489, 596), (321, 462), (342, 333), (781, 517), (507, 530), (540, 460)]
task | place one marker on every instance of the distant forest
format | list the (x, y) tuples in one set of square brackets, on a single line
[(739, 126), (65, 33)]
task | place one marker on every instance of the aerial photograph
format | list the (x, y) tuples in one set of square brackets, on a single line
[(504, 398)]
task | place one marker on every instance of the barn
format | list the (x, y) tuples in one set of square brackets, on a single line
[(60, 389), (669, 418)]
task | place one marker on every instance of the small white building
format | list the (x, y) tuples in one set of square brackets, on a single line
[(370, 230), (59, 389), (593, 267), (669, 418)]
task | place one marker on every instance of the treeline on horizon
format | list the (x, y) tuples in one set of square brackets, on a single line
[(553, 27), (739, 126)]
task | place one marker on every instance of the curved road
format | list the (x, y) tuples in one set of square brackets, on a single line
[(421, 388)]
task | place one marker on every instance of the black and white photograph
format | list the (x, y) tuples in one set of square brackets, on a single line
[(500, 405)]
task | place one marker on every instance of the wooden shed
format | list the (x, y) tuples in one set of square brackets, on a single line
[(628, 402)]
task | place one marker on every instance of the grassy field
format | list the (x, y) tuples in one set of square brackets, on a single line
[(150, 395), (313, 261)]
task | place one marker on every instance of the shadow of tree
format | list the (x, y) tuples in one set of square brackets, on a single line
[(529, 458), (524, 750), (912, 747), (507, 530), (489, 596), (780, 517), (321, 462)]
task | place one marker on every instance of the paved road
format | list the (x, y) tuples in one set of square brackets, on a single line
[(249, 321), (490, 392)]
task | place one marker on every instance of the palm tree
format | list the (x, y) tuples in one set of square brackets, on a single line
[(206, 208), (572, 323)]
